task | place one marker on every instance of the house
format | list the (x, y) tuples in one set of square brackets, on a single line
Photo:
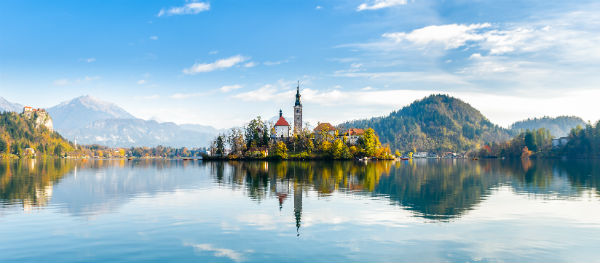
[(326, 129), (420, 155), (282, 127), (353, 134), (29, 152)]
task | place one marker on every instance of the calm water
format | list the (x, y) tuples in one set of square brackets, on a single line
[(426, 211)]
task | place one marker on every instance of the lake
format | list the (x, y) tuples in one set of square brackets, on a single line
[(418, 211)]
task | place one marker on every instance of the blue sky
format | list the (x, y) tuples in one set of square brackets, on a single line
[(223, 62)]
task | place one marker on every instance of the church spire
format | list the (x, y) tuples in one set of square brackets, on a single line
[(298, 95), (298, 112)]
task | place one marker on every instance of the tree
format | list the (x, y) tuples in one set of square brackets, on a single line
[(3, 145), (220, 145), (369, 143), (236, 142), (337, 149), (280, 151), (256, 133)]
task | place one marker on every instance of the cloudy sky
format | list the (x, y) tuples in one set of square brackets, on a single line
[(223, 62)]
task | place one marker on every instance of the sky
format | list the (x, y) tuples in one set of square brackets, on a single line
[(222, 62)]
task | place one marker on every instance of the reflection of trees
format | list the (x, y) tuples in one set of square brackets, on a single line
[(554, 177), (438, 189), (30, 181)]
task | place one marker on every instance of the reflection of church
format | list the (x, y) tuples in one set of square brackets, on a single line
[(282, 190), (298, 206)]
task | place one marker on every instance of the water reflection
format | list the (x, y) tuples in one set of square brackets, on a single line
[(434, 189)]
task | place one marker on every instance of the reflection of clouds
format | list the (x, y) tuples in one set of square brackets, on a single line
[(218, 252)]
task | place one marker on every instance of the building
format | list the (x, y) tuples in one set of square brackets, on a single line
[(420, 155), (353, 134), (298, 112), (282, 127), (40, 116)]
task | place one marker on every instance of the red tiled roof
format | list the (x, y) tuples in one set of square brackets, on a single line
[(355, 131), (282, 122)]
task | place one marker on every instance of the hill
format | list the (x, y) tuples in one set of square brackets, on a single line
[(558, 127), (437, 123), (22, 134)]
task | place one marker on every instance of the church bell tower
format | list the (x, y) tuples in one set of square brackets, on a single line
[(298, 112)]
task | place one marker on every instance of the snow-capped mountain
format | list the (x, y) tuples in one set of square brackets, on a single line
[(9, 106), (92, 121), (81, 111)]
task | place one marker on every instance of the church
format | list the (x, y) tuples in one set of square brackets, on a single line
[(282, 129)]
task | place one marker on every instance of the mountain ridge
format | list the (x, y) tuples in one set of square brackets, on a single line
[(436, 123), (558, 126)]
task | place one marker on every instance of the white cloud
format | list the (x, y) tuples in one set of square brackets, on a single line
[(219, 64), (228, 88), (318, 7), (149, 97), (249, 64), (90, 60), (180, 96), (188, 9), (218, 252), (153, 37), (264, 93), (274, 63), (61, 82), (67, 82), (449, 36), (379, 4), (141, 82)]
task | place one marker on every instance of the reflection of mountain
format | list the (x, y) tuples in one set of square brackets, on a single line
[(439, 191), (105, 188)]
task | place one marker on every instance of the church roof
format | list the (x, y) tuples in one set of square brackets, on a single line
[(282, 122)]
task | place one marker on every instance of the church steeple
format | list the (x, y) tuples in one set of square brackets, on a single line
[(298, 112), (298, 95)]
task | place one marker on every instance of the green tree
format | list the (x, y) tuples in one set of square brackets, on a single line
[(369, 143), (281, 151)]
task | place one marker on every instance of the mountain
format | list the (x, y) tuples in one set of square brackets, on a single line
[(199, 128), (138, 132), (558, 127), (81, 111), (7, 106), (91, 121), (437, 123)]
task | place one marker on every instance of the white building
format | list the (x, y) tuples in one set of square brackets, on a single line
[(353, 135), (282, 127)]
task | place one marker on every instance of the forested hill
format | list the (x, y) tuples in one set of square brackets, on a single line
[(558, 127), (18, 132), (437, 123)]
